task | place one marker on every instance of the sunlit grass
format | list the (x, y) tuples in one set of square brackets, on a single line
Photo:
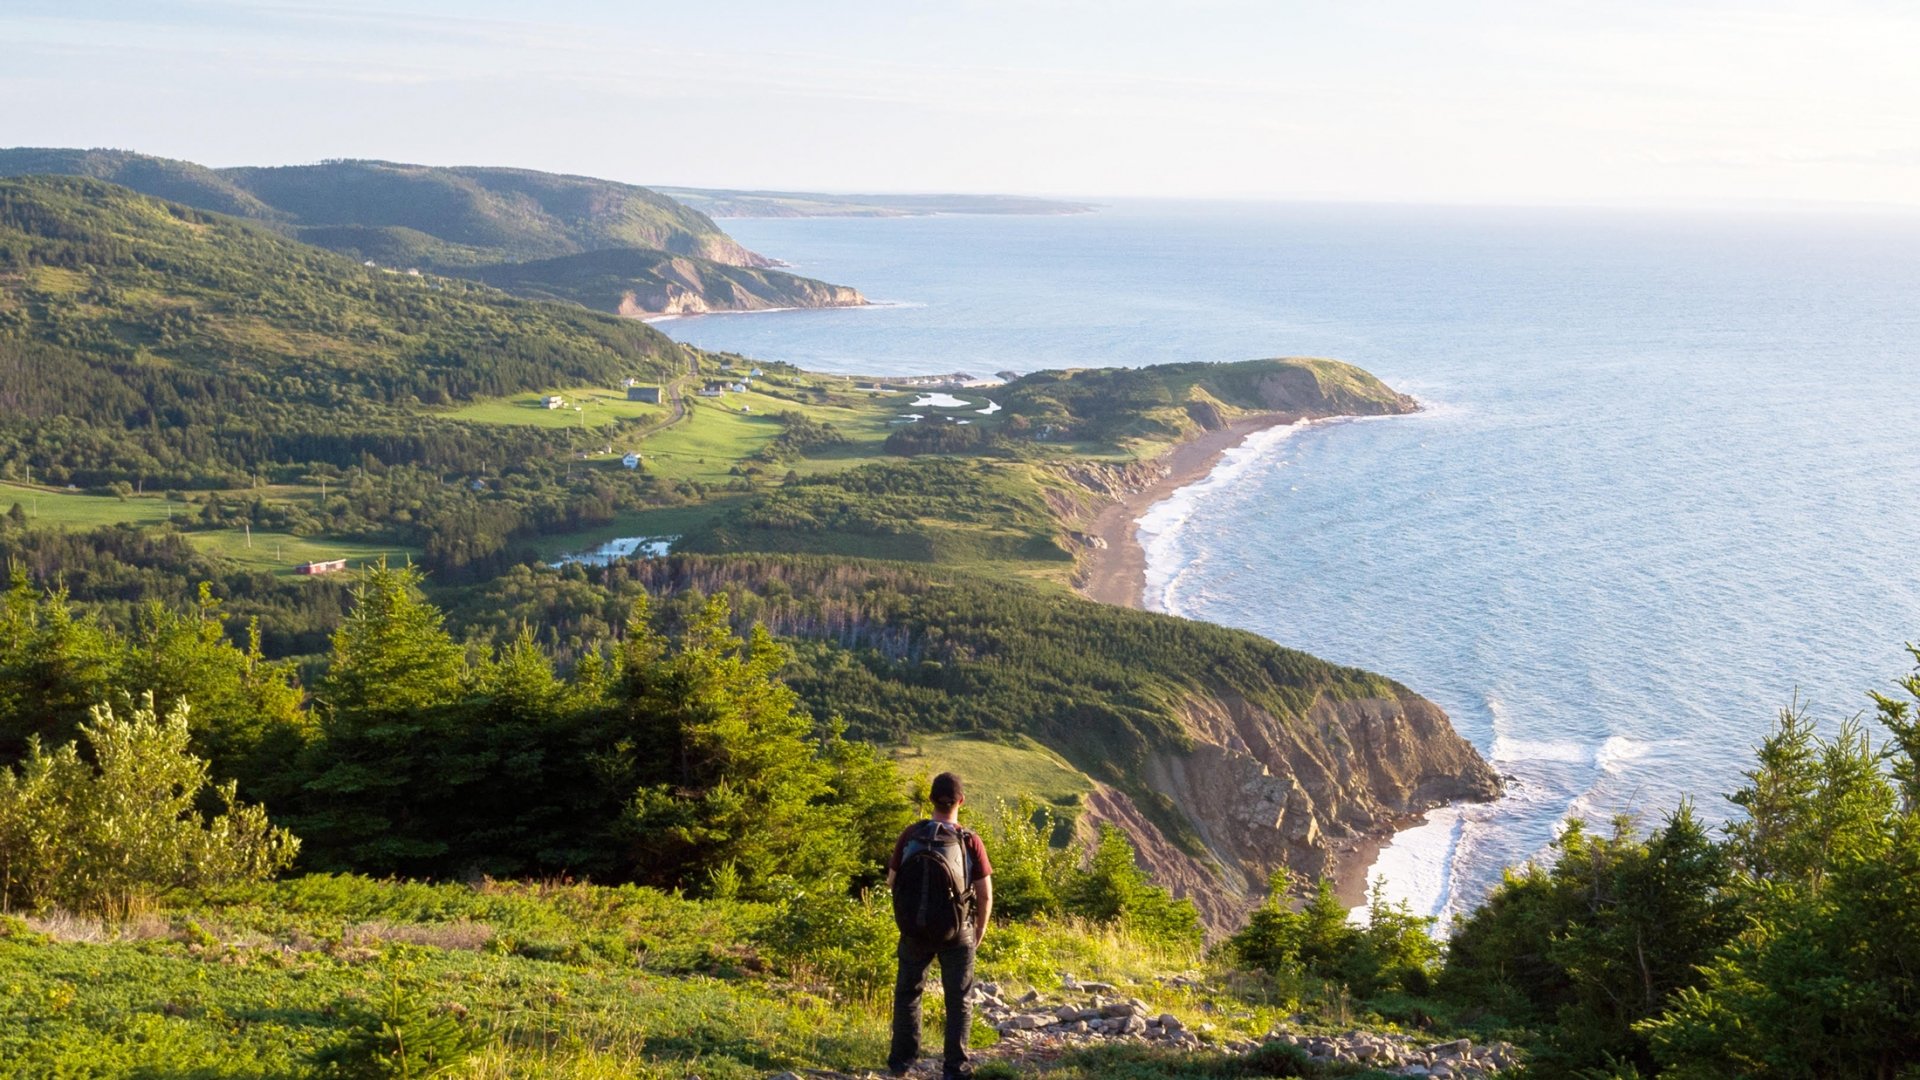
[(69, 508)]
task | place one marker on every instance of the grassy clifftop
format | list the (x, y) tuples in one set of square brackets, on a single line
[(1138, 409)]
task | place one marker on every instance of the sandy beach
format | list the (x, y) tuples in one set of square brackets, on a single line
[(1117, 574)]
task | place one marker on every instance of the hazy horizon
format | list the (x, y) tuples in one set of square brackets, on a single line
[(1688, 105)]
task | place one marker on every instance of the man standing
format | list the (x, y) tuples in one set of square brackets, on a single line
[(942, 899)]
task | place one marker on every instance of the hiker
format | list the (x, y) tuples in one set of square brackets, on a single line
[(942, 899)]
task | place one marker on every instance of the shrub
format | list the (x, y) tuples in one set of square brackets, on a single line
[(845, 942), (1395, 950), (107, 837), (1030, 875), (399, 1036), (1113, 889)]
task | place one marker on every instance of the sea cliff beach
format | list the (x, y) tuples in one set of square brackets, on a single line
[(1116, 571), (1116, 568)]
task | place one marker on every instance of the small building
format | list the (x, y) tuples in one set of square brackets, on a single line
[(710, 391), (632, 460), (756, 373), (739, 388), (553, 401), (321, 566), (648, 394)]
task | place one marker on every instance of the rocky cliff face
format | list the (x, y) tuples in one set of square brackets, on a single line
[(1263, 792)]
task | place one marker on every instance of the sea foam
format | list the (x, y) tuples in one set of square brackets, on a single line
[(1160, 530)]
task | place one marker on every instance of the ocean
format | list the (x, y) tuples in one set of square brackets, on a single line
[(1666, 481)]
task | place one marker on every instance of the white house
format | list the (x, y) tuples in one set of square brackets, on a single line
[(756, 373), (632, 460), (553, 401)]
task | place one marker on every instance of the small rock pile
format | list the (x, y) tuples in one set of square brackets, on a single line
[(1103, 1015), (1097, 1016), (1402, 1056)]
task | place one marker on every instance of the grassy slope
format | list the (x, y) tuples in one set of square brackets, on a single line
[(596, 407), (998, 772), (44, 506), (279, 552), (562, 981)]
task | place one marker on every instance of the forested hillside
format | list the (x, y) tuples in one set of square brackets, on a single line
[(733, 838), (464, 220), (492, 215), (148, 345)]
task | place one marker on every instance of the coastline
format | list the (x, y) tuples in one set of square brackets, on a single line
[(1117, 565), (1116, 573)]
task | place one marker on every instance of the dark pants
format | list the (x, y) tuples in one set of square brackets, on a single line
[(956, 979)]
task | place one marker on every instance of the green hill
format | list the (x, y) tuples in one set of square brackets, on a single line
[(148, 345), (163, 295), (516, 213), (462, 220)]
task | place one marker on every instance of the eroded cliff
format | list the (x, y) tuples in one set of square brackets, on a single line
[(1264, 792)]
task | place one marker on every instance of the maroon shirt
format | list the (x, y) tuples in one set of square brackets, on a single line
[(976, 853)]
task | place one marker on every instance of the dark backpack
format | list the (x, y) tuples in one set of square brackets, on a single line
[(933, 890)]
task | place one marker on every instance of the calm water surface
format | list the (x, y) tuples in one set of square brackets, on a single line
[(1668, 476)]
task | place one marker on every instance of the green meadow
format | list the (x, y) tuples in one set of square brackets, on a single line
[(586, 407), (279, 552), (999, 771), (45, 506)]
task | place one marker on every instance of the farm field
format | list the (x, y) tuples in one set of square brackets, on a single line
[(279, 552), (599, 407), (44, 506)]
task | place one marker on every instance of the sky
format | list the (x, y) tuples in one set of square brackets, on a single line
[(1536, 102)]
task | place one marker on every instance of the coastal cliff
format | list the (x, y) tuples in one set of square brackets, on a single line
[(1223, 755), (1265, 793), (1305, 790), (633, 282)]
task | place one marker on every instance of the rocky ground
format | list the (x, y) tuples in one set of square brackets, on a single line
[(1035, 1028)]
